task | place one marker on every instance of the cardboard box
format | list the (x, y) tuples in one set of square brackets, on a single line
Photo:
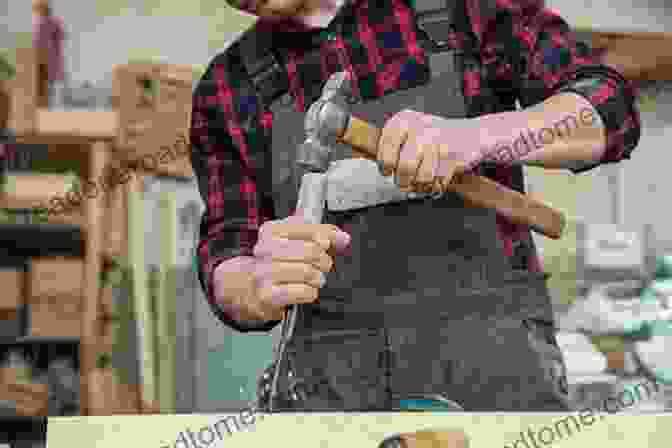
[(12, 282), (56, 317), (56, 276)]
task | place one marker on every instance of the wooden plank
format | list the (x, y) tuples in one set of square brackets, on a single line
[(30, 190), (166, 324), (115, 222), (92, 276), (141, 299), (23, 102), (95, 125), (640, 56)]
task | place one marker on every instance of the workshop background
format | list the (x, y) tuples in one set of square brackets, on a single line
[(162, 350)]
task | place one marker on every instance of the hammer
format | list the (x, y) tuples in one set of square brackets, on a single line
[(329, 121)]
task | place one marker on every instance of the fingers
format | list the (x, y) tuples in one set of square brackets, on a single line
[(263, 311), (410, 158), (285, 250), (427, 171), (446, 168), (294, 228), (272, 313), (289, 273), (392, 138), (284, 295)]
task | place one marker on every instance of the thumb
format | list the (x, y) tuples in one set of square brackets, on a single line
[(340, 241)]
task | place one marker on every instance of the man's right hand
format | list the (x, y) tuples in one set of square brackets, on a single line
[(289, 266)]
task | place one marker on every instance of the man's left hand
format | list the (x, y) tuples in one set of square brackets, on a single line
[(425, 151)]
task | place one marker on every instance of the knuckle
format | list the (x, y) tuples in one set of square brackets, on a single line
[(307, 272), (332, 228), (310, 294), (312, 251)]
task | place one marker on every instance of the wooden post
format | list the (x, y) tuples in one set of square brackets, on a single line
[(93, 266), (23, 103), (141, 299), (165, 306)]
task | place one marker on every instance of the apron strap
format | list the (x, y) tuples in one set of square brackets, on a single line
[(266, 71)]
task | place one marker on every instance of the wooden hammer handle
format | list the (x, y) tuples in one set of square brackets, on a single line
[(476, 190)]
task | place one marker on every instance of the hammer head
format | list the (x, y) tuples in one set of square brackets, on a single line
[(325, 122)]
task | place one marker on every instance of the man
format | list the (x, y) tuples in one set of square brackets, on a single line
[(420, 296), (48, 37)]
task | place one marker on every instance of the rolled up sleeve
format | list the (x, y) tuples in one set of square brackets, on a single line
[(545, 58), (227, 159)]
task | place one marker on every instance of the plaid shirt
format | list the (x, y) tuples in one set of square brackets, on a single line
[(520, 51)]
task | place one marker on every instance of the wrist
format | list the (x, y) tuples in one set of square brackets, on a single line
[(505, 138)]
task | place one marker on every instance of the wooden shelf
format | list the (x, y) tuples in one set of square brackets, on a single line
[(640, 56)]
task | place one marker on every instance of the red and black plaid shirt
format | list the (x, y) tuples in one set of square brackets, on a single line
[(523, 52)]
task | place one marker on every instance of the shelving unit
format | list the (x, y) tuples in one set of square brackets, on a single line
[(97, 233)]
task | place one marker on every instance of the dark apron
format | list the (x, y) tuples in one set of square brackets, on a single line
[(425, 302)]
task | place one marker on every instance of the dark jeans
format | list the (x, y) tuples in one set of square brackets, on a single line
[(497, 364)]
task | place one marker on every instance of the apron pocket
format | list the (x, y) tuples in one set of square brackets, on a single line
[(500, 364), (337, 370), (518, 294)]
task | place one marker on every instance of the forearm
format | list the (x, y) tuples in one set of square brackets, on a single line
[(565, 131)]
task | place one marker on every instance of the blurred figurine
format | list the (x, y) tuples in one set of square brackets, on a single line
[(48, 37)]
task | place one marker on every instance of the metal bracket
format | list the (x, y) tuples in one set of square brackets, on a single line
[(435, 27)]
